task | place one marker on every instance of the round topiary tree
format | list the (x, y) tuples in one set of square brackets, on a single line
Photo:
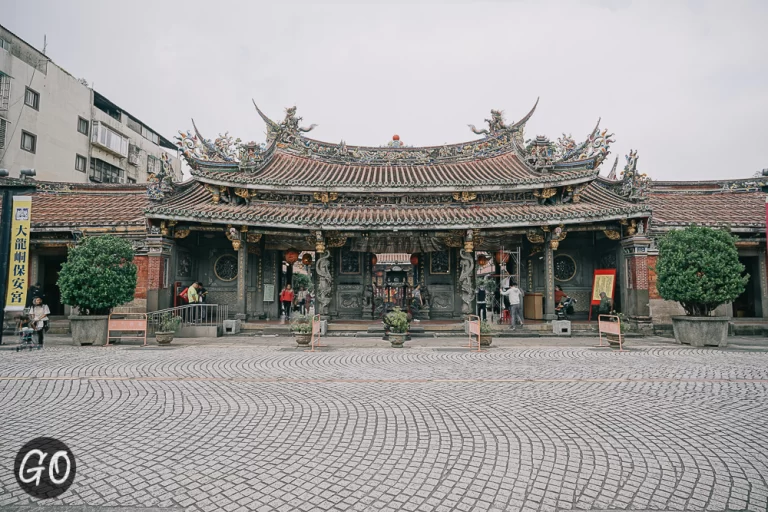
[(98, 275), (699, 268)]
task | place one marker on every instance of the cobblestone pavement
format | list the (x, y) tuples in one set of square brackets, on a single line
[(243, 427)]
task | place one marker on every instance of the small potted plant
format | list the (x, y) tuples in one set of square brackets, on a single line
[(166, 327), (301, 328), (486, 334), (396, 326)]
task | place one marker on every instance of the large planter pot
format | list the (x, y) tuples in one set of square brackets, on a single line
[(302, 339), (164, 338), (701, 331), (486, 340), (396, 339), (89, 330)]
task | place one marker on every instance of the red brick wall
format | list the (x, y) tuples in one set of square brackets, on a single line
[(142, 270), (653, 293), (155, 273)]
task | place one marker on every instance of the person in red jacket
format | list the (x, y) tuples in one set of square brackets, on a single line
[(286, 298)]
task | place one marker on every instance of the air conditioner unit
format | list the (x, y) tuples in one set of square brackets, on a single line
[(133, 155)]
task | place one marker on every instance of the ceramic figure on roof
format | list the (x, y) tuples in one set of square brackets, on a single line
[(597, 146), (633, 184), (161, 182), (495, 125), (251, 154)]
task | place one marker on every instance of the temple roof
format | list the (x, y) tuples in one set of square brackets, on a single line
[(285, 170), (502, 159), (193, 203), (737, 205), (74, 206)]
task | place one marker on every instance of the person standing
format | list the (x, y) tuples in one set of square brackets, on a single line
[(194, 298), (515, 296), (38, 316), (286, 299), (416, 303), (482, 312), (301, 298)]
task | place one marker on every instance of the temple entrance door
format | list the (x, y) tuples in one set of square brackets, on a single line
[(748, 304), (52, 266), (393, 280)]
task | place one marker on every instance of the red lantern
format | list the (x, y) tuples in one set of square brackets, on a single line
[(306, 259), (482, 260), (501, 257), (374, 259), (291, 256), (414, 259)]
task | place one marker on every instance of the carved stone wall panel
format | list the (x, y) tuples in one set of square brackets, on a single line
[(441, 300), (349, 300)]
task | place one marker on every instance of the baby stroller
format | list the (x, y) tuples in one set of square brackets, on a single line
[(565, 308), (25, 338)]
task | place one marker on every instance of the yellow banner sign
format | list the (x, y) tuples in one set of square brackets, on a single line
[(18, 266)]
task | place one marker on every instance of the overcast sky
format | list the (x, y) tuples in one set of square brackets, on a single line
[(684, 82)]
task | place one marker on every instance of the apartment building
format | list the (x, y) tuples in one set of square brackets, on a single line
[(54, 123)]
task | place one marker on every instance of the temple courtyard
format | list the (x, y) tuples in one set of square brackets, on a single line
[(252, 423)]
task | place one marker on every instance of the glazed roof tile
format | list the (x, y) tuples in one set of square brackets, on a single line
[(299, 172), (744, 209), (194, 204)]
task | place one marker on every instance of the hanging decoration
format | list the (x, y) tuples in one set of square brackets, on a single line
[(414, 259), (291, 256), (482, 260), (306, 259), (374, 259), (500, 257)]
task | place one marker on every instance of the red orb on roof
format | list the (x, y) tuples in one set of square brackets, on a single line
[(395, 137)]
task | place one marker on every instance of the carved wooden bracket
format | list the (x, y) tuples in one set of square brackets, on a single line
[(465, 196)]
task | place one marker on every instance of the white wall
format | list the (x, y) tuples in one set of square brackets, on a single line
[(62, 100)]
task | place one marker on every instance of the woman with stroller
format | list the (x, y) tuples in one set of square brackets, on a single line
[(38, 316)]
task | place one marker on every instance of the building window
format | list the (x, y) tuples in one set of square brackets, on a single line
[(5, 45), (565, 267), (109, 139), (32, 99), (131, 180), (28, 142), (82, 125), (80, 163), (3, 128), (225, 267), (103, 172), (5, 91), (133, 124), (153, 165), (149, 134)]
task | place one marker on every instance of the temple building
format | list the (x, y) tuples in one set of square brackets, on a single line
[(372, 223)]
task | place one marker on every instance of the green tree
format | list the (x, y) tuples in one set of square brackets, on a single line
[(98, 275), (699, 268), (300, 280)]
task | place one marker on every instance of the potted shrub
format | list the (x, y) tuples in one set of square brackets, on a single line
[(396, 326), (98, 275), (301, 327), (486, 334), (699, 268), (166, 327)]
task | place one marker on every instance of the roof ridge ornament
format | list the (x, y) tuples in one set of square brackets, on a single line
[(496, 125), (160, 183), (634, 185)]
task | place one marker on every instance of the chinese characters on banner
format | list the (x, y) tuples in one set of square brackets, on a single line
[(18, 266), (604, 281)]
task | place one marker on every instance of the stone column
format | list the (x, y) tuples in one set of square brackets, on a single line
[(637, 306), (242, 281), (549, 281), (367, 302)]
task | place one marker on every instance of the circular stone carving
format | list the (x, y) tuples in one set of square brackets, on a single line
[(565, 267), (225, 267)]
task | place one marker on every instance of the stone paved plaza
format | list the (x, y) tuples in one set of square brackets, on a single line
[(238, 425)]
